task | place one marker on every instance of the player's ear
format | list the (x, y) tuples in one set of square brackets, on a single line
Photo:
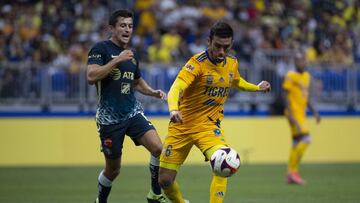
[(111, 28), (209, 41)]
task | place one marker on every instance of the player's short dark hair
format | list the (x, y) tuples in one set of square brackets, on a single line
[(120, 13), (222, 30)]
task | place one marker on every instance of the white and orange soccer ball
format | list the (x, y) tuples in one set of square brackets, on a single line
[(225, 162)]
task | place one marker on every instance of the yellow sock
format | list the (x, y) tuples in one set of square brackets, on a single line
[(217, 189), (296, 155), (173, 193)]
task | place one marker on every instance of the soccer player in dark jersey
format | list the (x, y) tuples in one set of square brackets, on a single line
[(114, 68)]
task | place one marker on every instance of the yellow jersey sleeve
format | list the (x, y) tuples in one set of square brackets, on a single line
[(176, 90), (287, 84), (240, 83), (190, 71)]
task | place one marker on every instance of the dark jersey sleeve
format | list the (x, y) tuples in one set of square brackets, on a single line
[(137, 59), (97, 55)]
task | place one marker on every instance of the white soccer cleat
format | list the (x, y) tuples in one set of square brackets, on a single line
[(186, 201)]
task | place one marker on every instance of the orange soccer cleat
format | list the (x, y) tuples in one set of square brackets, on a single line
[(295, 178)]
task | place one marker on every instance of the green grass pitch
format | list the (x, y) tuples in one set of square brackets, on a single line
[(327, 183)]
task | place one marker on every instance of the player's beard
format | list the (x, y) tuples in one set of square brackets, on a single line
[(219, 59), (123, 41)]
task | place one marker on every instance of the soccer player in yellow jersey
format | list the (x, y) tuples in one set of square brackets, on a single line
[(296, 88), (196, 105)]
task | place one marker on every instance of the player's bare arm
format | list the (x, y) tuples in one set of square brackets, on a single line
[(145, 89), (96, 72), (314, 111)]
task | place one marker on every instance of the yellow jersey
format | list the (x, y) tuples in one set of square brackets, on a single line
[(202, 103), (297, 86)]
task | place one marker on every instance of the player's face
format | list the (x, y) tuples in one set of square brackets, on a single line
[(122, 31), (300, 63), (219, 48)]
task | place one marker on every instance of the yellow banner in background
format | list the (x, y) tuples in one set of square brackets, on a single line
[(74, 141)]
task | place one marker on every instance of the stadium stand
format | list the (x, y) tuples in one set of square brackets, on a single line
[(44, 44)]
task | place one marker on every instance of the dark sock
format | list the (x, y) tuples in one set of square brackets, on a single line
[(103, 193), (154, 170)]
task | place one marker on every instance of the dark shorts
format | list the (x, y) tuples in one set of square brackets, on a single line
[(112, 136)]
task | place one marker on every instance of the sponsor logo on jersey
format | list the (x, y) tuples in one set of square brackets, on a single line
[(95, 56), (220, 194), (115, 74), (128, 75), (216, 91), (189, 67)]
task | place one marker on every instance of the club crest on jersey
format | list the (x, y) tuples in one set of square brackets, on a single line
[(231, 77), (209, 79), (221, 79), (189, 67), (108, 143), (115, 74), (133, 61), (125, 88)]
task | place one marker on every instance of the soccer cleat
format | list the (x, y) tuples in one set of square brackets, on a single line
[(97, 200), (295, 178), (154, 198), (186, 201)]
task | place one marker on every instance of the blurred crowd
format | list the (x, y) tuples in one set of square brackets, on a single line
[(167, 31)]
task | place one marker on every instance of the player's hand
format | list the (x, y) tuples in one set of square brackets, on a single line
[(264, 86), (160, 94), (125, 55), (175, 117)]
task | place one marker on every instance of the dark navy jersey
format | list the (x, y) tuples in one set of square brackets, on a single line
[(117, 101)]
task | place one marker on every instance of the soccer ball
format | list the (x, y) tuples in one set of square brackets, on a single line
[(225, 162)]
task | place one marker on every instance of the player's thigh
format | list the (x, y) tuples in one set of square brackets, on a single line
[(151, 141), (301, 121), (208, 139), (142, 132), (112, 138), (175, 149)]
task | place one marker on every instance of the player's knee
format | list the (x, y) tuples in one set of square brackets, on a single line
[(156, 151), (165, 180)]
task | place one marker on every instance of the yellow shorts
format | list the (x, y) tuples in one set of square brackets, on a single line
[(177, 145), (301, 120)]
